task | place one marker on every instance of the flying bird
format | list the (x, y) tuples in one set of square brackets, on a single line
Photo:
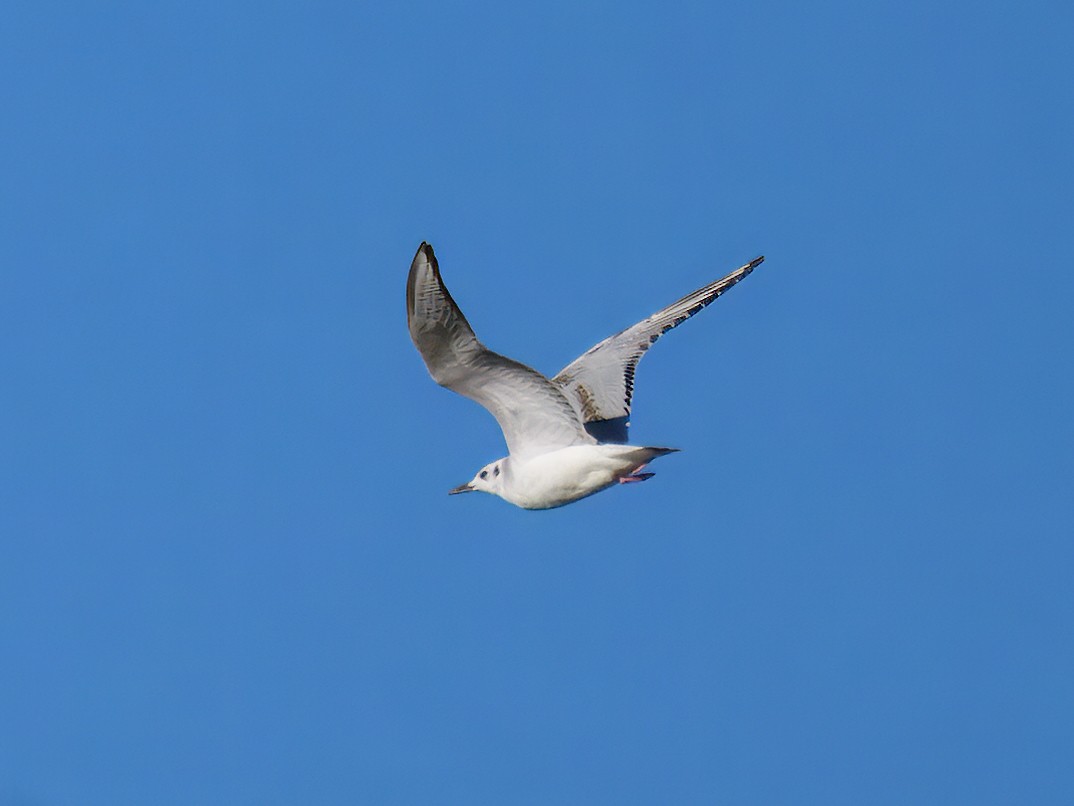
[(565, 435)]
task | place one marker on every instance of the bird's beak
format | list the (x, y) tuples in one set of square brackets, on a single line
[(462, 488)]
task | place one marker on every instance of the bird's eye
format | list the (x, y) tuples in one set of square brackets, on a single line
[(496, 470), (484, 474)]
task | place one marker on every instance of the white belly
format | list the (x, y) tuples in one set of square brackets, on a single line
[(560, 477)]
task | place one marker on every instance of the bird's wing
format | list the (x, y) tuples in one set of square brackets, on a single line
[(533, 413), (601, 380)]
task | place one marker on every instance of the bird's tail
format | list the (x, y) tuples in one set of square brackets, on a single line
[(651, 453)]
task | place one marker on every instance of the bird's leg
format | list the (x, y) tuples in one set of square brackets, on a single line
[(634, 476)]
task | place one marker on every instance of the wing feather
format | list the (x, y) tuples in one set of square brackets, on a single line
[(601, 380), (534, 414)]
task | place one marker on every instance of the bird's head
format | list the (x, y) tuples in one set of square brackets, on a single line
[(489, 479)]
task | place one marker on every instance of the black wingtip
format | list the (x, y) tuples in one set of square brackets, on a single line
[(424, 251)]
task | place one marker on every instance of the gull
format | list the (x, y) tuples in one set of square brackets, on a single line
[(565, 435)]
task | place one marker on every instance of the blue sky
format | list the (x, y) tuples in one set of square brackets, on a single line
[(229, 571)]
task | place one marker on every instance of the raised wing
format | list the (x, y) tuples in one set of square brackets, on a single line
[(601, 380), (534, 414)]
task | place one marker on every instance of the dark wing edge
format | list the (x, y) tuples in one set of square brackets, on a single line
[(426, 251), (437, 326), (601, 380)]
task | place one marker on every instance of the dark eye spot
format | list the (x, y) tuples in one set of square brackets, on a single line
[(496, 470), (484, 474)]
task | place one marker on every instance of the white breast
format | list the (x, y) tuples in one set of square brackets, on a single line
[(565, 475)]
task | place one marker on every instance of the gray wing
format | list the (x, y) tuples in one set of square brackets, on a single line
[(601, 380), (534, 414)]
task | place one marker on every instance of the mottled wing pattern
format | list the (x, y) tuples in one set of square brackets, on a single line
[(533, 413), (601, 381)]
